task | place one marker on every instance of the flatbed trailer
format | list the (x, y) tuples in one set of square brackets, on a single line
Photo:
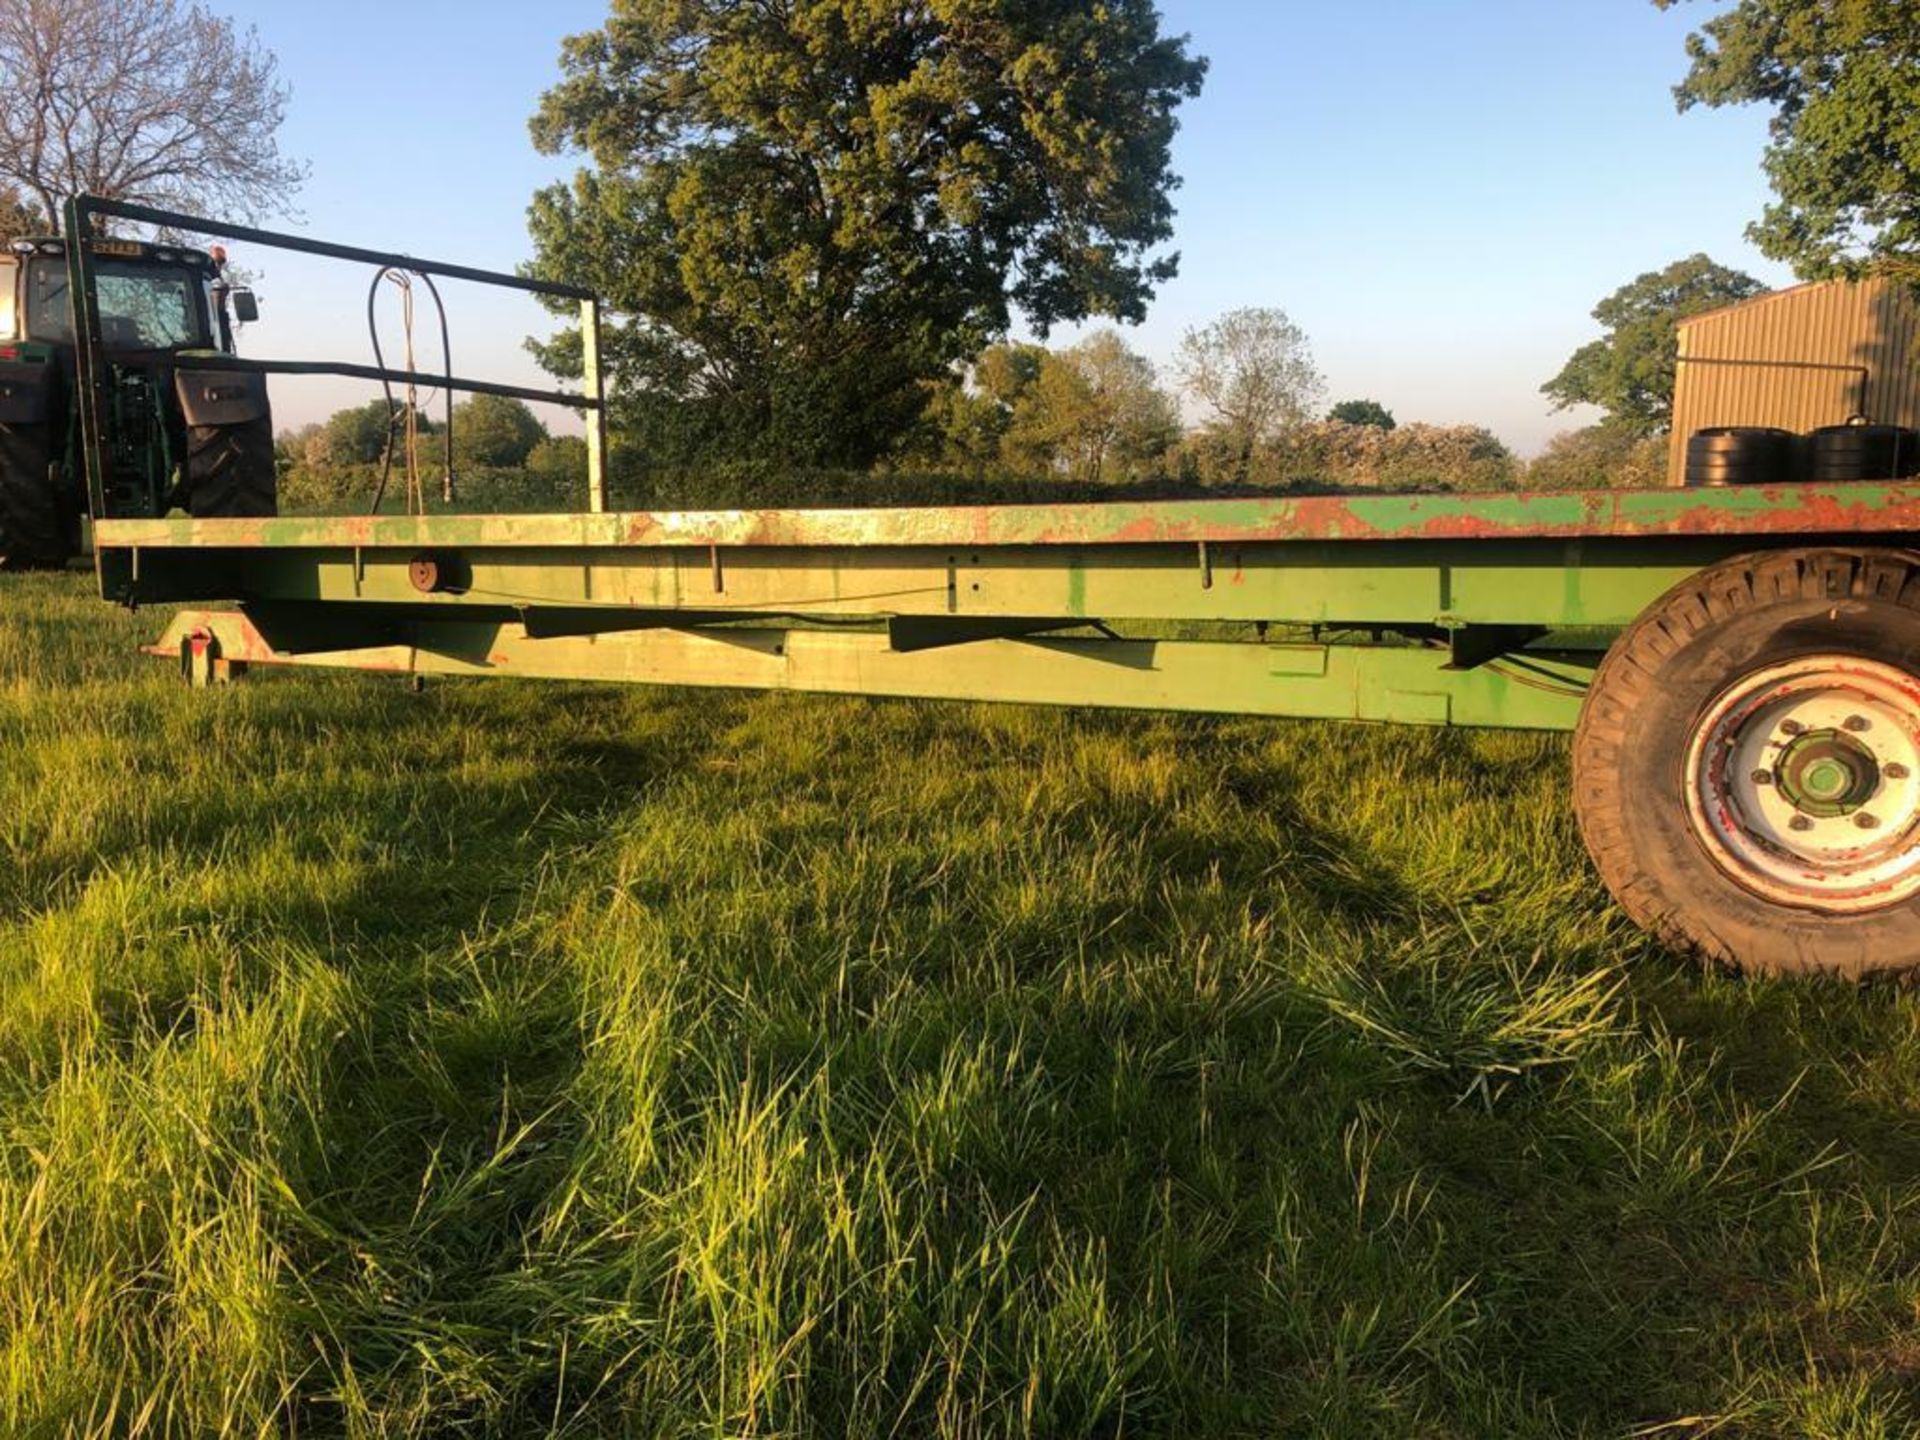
[(1740, 667)]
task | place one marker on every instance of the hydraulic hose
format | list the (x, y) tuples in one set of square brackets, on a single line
[(404, 278)]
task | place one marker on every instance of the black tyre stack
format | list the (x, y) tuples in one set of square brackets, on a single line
[(1755, 455), (1740, 455), (1862, 452)]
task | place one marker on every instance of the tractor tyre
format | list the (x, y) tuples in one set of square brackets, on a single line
[(1747, 764), (34, 514), (230, 470)]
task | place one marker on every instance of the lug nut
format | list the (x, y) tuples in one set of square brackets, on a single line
[(1762, 777), (1865, 821), (1895, 771), (1857, 723), (1800, 822), (1791, 727)]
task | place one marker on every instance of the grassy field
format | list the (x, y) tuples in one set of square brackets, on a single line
[(516, 1060)]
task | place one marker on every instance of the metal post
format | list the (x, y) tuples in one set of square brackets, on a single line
[(597, 414), (91, 372)]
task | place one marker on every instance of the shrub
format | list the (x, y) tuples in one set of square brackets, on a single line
[(1409, 457), (350, 489), (1598, 457)]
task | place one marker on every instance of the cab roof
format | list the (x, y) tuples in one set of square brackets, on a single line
[(114, 248)]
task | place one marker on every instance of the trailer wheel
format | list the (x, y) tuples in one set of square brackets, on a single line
[(1747, 765), (33, 512)]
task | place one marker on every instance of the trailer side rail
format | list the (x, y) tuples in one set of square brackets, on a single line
[(83, 212)]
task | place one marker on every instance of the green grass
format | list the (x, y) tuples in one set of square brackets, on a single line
[(518, 1060)]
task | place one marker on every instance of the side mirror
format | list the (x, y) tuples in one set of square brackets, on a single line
[(246, 309)]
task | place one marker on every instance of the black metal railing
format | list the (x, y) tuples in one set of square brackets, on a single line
[(83, 211)]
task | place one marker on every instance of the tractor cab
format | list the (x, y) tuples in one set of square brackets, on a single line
[(178, 437), (152, 297)]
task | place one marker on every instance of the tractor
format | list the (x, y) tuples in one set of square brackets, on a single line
[(179, 437)]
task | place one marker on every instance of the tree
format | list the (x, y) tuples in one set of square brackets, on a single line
[(1844, 158), (1254, 369), (560, 462), (1362, 412), (354, 437), (291, 447), (1629, 372), (17, 216), (153, 101), (358, 436), (1095, 410), (816, 207), (971, 411), (495, 431)]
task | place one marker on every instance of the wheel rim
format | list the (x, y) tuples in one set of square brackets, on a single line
[(1803, 783)]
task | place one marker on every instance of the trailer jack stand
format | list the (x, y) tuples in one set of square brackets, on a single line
[(201, 663)]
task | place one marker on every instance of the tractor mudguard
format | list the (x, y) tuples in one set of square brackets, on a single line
[(27, 392), (229, 428), (219, 398)]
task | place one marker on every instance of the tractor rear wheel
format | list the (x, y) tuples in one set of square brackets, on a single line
[(33, 510), (1747, 764), (230, 469)]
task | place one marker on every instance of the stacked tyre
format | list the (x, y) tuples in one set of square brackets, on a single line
[(1753, 455), (1740, 455), (1862, 452)]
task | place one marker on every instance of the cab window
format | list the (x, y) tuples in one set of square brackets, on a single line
[(142, 307), (9, 286)]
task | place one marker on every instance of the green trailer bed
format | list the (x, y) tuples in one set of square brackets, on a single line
[(1481, 610)]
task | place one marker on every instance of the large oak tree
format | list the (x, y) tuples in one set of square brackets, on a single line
[(1842, 78), (810, 208)]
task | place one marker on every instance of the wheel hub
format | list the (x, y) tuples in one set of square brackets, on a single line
[(1803, 783), (1827, 773)]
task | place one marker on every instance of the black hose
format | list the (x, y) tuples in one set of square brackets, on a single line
[(386, 385)]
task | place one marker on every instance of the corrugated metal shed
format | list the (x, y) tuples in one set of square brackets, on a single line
[(1798, 359)]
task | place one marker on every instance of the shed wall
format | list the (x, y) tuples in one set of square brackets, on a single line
[(1869, 323)]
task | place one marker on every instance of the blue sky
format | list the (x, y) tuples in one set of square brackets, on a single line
[(1437, 191)]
